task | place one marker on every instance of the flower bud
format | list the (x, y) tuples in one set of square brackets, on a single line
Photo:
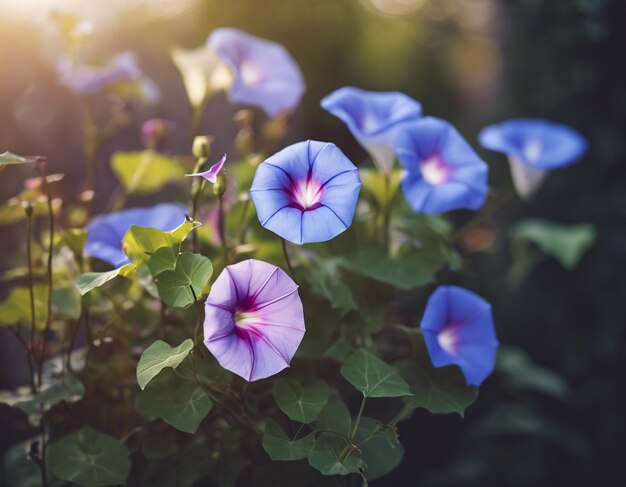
[(201, 146)]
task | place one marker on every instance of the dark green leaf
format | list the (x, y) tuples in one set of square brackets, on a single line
[(325, 280), (158, 356), (191, 271), (566, 243), (90, 280), (335, 416), (372, 376), (163, 259), (69, 389), (301, 403), (332, 455), (90, 458), (381, 457), (179, 402), (279, 447)]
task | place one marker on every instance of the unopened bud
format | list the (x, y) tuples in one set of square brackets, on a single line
[(201, 146), (219, 188)]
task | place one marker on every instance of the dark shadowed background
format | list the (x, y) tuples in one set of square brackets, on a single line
[(474, 62)]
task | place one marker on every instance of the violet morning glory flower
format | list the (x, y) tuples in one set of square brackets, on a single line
[(211, 174), (264, 73), (105, 232), (89, 80), (374, 118), (307, 192), (458, 330), (533, 146), (442, 170), (254, 321)]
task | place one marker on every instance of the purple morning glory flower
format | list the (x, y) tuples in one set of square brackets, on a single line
[(533, 146), (254, 321), (89, 80), (211, 174), (105, 232), (307, 192), (374, 118), (458, 330), (442, 170), (264, 73)]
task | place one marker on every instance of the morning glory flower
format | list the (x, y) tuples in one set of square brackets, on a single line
[(442, 170), (105, 232), (254, 321), (211, 174), (89, 80), (374, 118), (264, 74), (533, 146), (458, 330), (307, 192)]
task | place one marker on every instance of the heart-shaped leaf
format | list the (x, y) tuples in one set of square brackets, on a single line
[(192, 271), (158, 356), (372, 376), (301, 403), (331, 455), (279, 447)]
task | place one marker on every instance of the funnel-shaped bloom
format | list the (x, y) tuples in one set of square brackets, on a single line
[(533, 147), (458, 330), (211, 174), (254, 321), (374, 118), (203, 72), (264, 73), (105, 232), (307, 192), (89, 80), (443, 171)]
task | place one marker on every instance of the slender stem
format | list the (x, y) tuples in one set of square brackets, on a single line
[(242, 224), (29, 359), (286, 254), (221, 227), (298, 432), (358, 420), (197, 336), (194, 212), (29, 257), (44, 447), (42, 170)]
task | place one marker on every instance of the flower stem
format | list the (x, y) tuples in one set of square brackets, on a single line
[(41, 165), (286, 254), (387, 210), (221, 227), (33, 320), (358, 420)]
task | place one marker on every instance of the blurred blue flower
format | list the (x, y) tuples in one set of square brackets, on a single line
[(264, 74), (443, 172), (533, 147), (105, 232), (89, 80), (374, 118), (307, 192), (458, 330)]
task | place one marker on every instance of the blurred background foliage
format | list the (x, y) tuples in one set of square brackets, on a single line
[(554, 412)]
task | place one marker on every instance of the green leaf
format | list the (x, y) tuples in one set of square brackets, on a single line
[(335, 416), (145, 172), (381, 457), (440, 390), (15, 309), (300, 403), (323, 277), (372, 376), (179, 402), (332, 455), (69, 389), (8, 159), (566, 243), (91, 280), (161, 260), (279, 447), (158, 356), (66, 302), (13, 211), (191, 271), (90, 458)]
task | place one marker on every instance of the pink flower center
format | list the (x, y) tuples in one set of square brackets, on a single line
[(307, 195), (434, 171), (448, 340)]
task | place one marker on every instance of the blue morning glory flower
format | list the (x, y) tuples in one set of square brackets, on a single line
[(443, 172), (374, 118), (458, 330), (264, 74), (307, 192), (105, 232), (533, 147)]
